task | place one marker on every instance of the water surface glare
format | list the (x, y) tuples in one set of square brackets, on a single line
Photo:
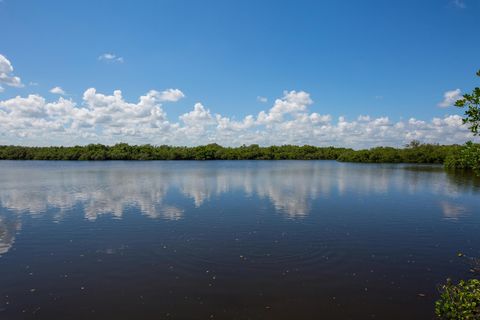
[(231, 239)]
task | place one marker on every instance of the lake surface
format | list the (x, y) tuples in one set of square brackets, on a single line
[(231, 239)]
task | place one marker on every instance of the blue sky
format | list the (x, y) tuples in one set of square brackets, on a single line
[(392, 59)]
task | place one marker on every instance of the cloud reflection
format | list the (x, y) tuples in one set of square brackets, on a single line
[(165, 190), (452, 211), (9, 226)]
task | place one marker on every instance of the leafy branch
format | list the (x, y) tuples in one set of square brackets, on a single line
[(472, 114)]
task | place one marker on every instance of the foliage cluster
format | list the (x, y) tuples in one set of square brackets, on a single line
[(454, 156), (124, 151), (459, 301), (472, 115), (468, 157), (414, 152), (421, 153)]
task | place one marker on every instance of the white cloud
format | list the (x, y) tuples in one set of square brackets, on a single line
[(110, 57), (292, 103), (262, 99), (172, 95), (449, 98), (58, 90), (6, 76), (5, 65), (363, 118), (318, 118), (109, 118), (198, 116)]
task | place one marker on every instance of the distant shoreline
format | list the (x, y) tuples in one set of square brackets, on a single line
[(413, 153)]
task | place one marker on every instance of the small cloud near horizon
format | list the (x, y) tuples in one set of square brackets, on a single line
[(449, 98), (58, 90), (111, 57)]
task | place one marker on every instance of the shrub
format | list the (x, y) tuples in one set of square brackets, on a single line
[(459, 301), (467, 158)]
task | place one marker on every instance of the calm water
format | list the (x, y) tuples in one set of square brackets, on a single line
[(230, 240)]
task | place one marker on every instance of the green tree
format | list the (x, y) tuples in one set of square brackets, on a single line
[(472, 114)]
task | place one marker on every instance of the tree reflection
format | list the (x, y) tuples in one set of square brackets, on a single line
[(290, 186)]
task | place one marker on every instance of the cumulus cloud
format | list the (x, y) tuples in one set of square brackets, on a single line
[(199, 116), (293, 103), (6, 74), (109, 118), (58, 90), (449, 98), (110, 57), (172, 95)]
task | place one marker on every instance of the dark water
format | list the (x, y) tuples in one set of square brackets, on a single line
[(230, 240)]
